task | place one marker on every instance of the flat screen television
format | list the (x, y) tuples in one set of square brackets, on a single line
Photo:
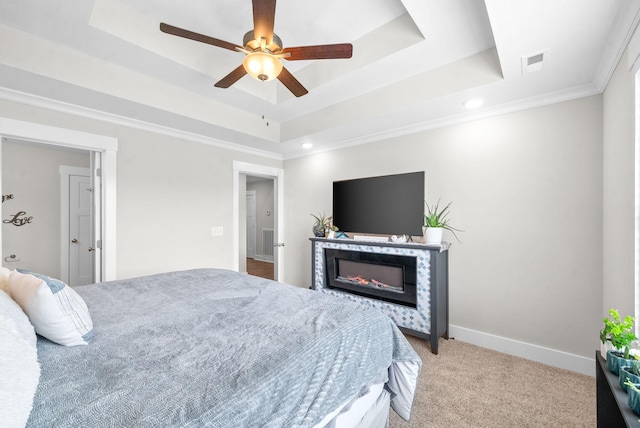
[(383, 205)]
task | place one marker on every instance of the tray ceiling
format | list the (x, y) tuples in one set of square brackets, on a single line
[(415, 63)]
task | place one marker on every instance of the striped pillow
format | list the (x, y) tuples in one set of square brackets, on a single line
[(56, 311)]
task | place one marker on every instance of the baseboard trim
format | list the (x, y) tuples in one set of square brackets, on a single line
[(540, 354)]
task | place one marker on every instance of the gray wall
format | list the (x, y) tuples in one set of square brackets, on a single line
[(170, 192), (527, 191), (618, 192), (31, 172)]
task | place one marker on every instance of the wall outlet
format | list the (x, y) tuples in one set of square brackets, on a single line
[(217, 231)]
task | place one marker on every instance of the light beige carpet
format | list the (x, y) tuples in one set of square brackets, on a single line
[(469, 386)]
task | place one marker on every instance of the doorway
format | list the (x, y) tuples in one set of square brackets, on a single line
[(242, 170), (103, 159), (31, 180), (260, 243)]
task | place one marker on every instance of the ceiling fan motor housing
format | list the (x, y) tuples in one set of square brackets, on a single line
[(249, 41)]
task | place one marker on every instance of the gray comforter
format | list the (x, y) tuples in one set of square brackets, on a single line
[(215, 348)]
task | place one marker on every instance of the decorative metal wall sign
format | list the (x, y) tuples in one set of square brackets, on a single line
[(18, 219)]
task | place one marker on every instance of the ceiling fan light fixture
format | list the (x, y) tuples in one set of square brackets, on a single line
[(262, 65)]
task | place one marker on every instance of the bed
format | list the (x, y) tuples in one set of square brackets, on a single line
[(210, 347)]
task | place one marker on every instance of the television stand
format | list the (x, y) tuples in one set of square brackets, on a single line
[(428, 316)]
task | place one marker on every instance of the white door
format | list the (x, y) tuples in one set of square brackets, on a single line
[(80, 225), (251, 223)]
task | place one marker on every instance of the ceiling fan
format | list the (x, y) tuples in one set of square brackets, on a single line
[(263, 50)]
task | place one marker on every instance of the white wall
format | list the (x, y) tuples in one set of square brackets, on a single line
[(31, 172), (618, 192), (527, 191), (170, 192)]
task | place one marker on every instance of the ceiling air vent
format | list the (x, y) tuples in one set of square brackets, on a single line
[(534, 62)]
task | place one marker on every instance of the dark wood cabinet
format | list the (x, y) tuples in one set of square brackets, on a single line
[(612, 407)]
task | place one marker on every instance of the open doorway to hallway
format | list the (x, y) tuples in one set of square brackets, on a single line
[(48, 218), (260, 226), (240, 172)]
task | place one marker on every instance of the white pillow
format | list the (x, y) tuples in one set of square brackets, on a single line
[(11, 310), (56, 311), (19, 366), (4, 279)]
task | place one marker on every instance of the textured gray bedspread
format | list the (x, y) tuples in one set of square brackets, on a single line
[(214, 348)]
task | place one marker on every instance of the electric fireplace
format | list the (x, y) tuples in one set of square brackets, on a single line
[(406, 281), (388, 277)]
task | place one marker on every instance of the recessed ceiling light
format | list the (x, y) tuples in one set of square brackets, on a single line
[(471, 104), (307, 145)]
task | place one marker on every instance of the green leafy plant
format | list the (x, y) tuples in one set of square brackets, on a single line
[(619, 331), (322, 224), (605, 333), (631, 385), (436, 217), (322, 219), (635, 366)]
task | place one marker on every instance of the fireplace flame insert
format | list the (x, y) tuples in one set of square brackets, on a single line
[(387, 277)]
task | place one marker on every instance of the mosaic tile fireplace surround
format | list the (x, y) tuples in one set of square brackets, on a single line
[(408, 282)]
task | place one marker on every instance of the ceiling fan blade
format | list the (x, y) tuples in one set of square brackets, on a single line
[(264, 12), (170, 29), (340, 50), (292, 83), (231, 78)]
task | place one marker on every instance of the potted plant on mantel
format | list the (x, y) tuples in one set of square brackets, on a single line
[(436, 221), (620, 333), (322, 225)]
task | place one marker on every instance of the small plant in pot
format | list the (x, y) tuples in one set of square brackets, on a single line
[(620, 332), (605, 339), (630, 374), (436, 221), (633, 400), (322, 225)]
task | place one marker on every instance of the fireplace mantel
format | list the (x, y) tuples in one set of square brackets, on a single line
[(429, 317)]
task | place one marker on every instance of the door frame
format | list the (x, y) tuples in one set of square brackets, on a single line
[(255, 238), (277, 174), (107, 146)]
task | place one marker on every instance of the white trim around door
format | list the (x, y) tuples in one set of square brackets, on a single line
[(262, 171)]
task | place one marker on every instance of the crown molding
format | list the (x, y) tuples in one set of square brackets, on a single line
[(512, 107), (624, 28), (524, 104), (63, 107)]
